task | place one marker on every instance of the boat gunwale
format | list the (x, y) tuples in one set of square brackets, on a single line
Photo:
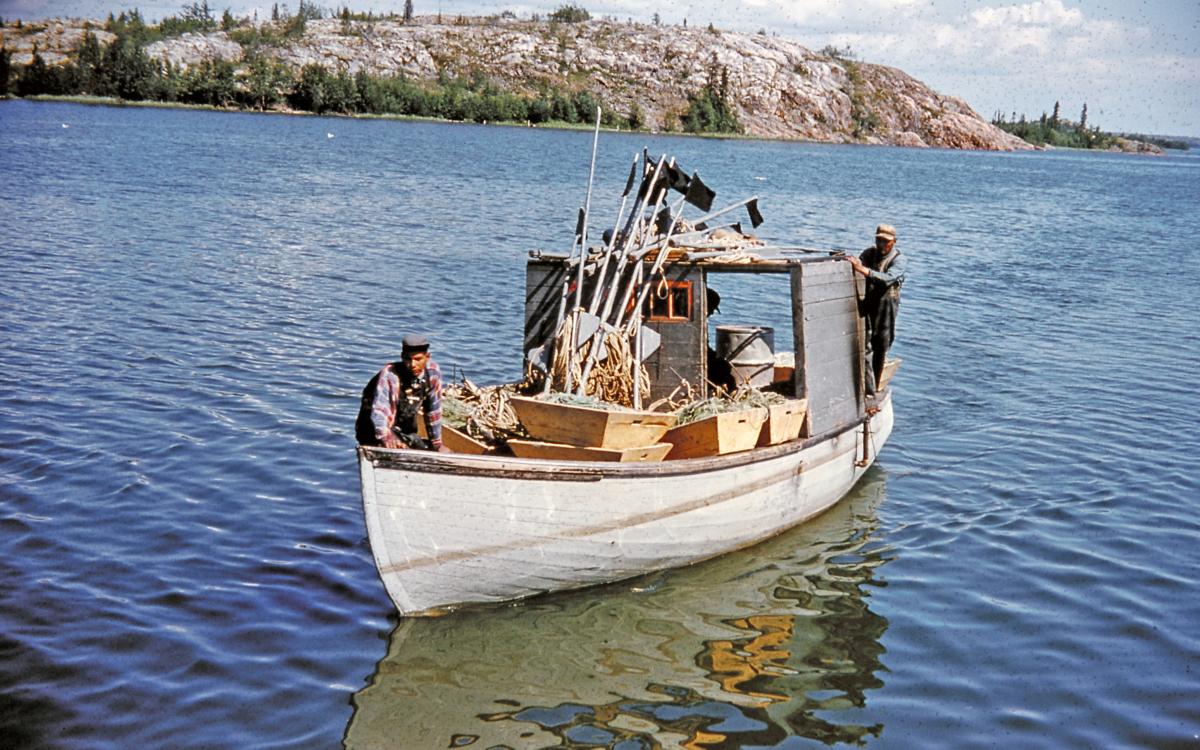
[(510, 467)]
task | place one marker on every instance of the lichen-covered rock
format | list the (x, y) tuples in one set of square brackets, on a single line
[(776, 87), (54, 40), (191, 49)]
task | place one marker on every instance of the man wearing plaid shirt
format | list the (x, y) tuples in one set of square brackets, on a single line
[(388, 413)]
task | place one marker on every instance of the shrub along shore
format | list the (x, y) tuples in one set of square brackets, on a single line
[(122, 71)]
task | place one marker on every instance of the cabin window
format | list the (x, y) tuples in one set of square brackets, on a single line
[(669, 302)]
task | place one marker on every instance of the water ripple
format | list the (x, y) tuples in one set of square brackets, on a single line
[(193, 299)]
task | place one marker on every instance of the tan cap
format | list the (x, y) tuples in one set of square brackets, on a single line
[(886, 231)]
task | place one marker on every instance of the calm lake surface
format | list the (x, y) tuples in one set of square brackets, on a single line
[(191, 302)]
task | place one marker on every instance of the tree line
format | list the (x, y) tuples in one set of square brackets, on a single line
[(121, 69), (1054, 130)]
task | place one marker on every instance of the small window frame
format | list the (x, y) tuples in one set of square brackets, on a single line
[(666, 309)]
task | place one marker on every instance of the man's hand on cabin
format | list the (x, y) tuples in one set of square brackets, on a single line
[(392, 440), (857, 265)]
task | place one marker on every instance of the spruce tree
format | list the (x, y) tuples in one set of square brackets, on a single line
[(408, 11), (5, 70)]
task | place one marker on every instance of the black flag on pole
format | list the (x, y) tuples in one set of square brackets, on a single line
[(756, 218), (698, 194)]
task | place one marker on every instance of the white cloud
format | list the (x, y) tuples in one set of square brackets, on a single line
[(1050, 13)]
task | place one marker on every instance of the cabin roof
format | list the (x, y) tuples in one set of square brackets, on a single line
[(761, 260)]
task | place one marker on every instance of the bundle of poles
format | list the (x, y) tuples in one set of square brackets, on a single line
[(606, 326)]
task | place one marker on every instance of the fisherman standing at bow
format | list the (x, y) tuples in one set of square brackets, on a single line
[(387, 414), (884, 267)]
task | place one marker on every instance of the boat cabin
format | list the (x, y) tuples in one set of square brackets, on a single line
[(826, 330)]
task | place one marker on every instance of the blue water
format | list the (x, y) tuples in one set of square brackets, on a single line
[(190, 302)]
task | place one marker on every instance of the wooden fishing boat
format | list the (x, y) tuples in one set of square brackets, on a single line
[(764, 633), (448, 529)]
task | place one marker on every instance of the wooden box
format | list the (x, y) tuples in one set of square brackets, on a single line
[(588, 427), (889, 369), (562, 452), (784, 422), (721, 433), (456, 440)]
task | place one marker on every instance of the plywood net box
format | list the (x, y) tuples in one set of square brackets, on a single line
[(716, 435)]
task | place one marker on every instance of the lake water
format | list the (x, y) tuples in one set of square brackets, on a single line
[(191, 302)]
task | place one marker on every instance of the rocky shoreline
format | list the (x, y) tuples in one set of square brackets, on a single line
[(776, 87)]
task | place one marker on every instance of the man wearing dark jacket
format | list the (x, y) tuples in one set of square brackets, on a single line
[(884, 268)]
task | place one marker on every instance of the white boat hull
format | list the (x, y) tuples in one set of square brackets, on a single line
[(450, 529)]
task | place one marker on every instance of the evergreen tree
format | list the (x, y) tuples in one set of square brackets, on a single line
[(5, 70), (1083, 118), (408, 11), (709, 110), (89, 59), (36, 78), (636, 119), (1054, 118)]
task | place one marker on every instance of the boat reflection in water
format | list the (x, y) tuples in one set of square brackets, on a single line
[(745, 650)]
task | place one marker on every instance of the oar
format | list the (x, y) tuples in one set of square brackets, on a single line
[(544, 353), (647, 189), (631, 284), (659, 261), (610, 246), (587, 205)]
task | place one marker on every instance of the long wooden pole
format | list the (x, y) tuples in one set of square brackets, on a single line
[(611, 292), (587, 205)]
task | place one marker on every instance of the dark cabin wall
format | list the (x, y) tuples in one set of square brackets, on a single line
[(684, 345), (543, 290), (682, 354), (828, 338)]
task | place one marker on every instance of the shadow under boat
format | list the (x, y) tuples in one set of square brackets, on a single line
[(749, 649)]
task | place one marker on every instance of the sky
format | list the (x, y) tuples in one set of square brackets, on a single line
[(1134, 63)]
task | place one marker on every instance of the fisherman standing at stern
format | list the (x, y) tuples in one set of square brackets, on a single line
[(387, 415), (883, 267)]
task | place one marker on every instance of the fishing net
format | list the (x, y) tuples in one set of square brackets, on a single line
[(744, 398), (483, 413)]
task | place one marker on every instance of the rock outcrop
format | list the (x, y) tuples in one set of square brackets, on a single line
[(776, 87), (54, 40)]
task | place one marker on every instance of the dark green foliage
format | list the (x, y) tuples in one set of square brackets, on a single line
[(865, 119), (196, 17), (635, 119), (5, 70), (266, 84), (126, 72), (36, 78), (131, 26), (708, 109), (570, 14), (408, 11), (1171, 143), (210, 82), (123, 70), (1053, 131)]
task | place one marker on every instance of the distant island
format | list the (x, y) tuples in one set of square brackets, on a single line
[(1056, 131), (552, 70)]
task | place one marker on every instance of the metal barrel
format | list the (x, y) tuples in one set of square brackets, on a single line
[(750, 351)]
